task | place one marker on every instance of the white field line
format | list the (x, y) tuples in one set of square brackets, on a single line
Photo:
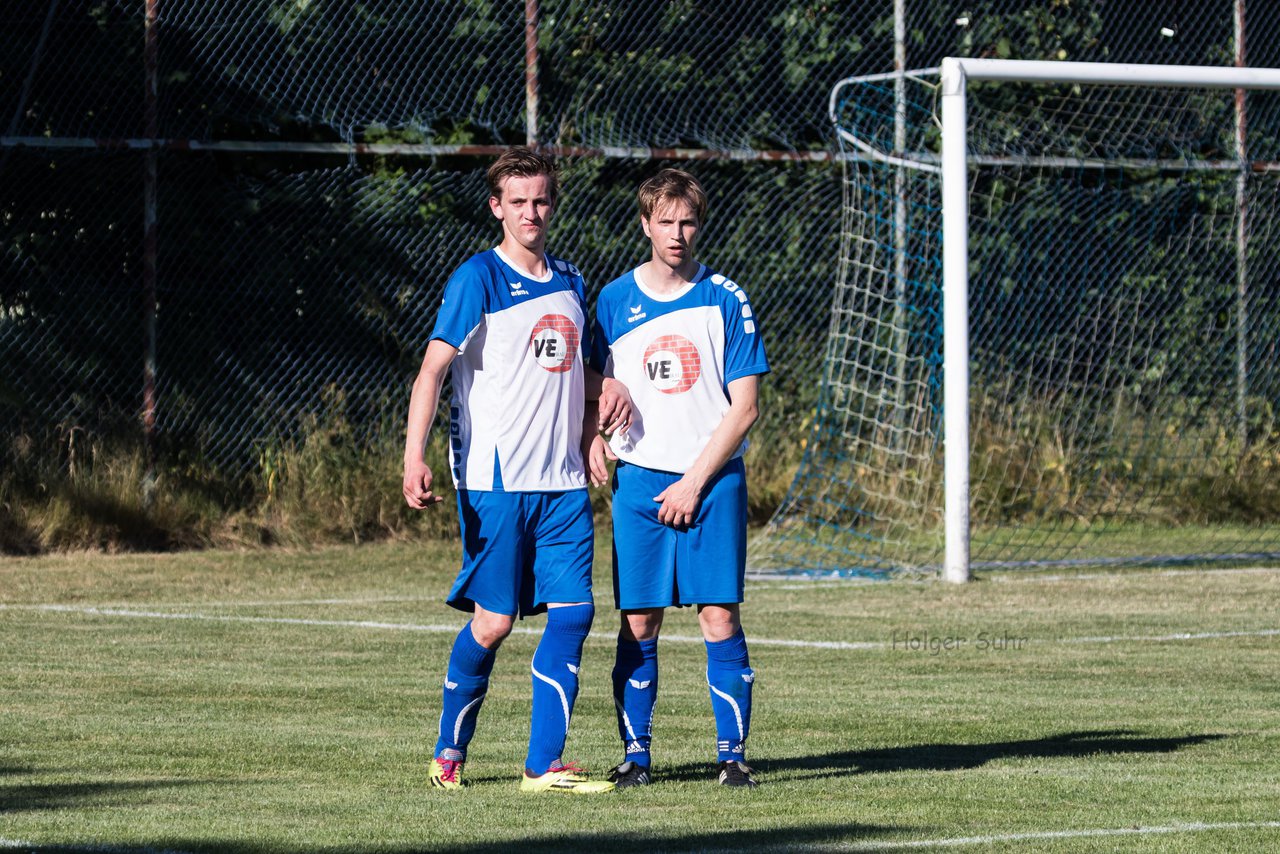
[(230, 618), (780, 583), (96, 848), (453, 629), (1033, 836), (258, 603), (1130, 573), (861, 845), (765, 582), (403, 627), (1177, 636)]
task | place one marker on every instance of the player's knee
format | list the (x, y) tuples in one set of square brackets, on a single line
[(491, 629), (718, 622), (641, 625)]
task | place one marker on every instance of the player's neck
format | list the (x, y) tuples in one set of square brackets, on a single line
[(531, 261), (665, 279)]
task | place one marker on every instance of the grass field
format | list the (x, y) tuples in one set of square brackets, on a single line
[(272, 701)]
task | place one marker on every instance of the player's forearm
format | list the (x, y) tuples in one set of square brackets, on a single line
[(590, 419), (425, 398), (423, 401), (592, 383), (724, 442)]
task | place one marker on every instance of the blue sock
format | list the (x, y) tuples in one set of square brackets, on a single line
[(555, 683), (465, 684), (635, 693), (730, 677)]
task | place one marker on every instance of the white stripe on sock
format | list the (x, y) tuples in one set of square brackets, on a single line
[(626, 721), (564, 700), (457, 724), (737, 712)]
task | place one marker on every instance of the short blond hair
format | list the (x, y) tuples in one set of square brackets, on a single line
[(671, 185), (522, 162)]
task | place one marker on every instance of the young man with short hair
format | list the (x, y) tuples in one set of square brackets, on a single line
[(509, 329), (684, 341)]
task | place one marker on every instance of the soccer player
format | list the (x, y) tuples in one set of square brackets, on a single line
[(684, 341), (509, 329)]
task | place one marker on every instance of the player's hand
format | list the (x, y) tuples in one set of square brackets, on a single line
[(679, 503), (615, 407), (417, 486), (597, 468)]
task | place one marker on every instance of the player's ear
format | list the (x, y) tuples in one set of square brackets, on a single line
[(644, 223), (495, 205)]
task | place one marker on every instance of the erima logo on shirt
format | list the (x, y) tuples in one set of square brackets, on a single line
[(554, 342), (636, 314), (517, 289), (672, 364)]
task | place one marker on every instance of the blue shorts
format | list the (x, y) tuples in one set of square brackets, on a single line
[(522, 550), (655, 565)]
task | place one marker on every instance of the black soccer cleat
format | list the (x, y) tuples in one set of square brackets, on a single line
[(735, 773), (629, 774)]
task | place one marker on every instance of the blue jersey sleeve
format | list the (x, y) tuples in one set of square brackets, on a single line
[(599, 335), (743, 346), (462, 308), (599, 352)]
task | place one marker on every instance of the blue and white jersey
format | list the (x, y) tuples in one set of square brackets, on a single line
[(676, 354), (515, 421)]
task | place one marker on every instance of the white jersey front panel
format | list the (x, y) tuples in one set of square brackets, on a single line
[(517, 406), (677, 357)]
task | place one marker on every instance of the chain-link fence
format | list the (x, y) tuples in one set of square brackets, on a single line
[(318, 174)]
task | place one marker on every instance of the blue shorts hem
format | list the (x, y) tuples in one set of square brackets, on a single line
[(704, 564)]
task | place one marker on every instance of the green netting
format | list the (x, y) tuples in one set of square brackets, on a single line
[(1124, 309)]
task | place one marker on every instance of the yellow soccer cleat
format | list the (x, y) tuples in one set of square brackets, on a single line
[(445, 774), (569, 779)]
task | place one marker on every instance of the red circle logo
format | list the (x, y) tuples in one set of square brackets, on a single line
[(672, 364), (554, 342)]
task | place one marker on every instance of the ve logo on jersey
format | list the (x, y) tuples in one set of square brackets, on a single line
[(671, 363), (554, 342)]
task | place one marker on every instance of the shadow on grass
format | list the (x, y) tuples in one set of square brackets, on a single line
[(21, 798), (953, 757), (603, 841)]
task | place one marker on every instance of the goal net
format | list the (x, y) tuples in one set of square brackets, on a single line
[(1097, 381)]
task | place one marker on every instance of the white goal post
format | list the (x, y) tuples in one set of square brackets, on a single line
[(1116, 215), (955, 235)]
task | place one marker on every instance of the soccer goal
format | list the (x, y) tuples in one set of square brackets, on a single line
[(1054, 336)]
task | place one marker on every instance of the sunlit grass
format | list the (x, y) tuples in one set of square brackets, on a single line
[(285, 700)]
